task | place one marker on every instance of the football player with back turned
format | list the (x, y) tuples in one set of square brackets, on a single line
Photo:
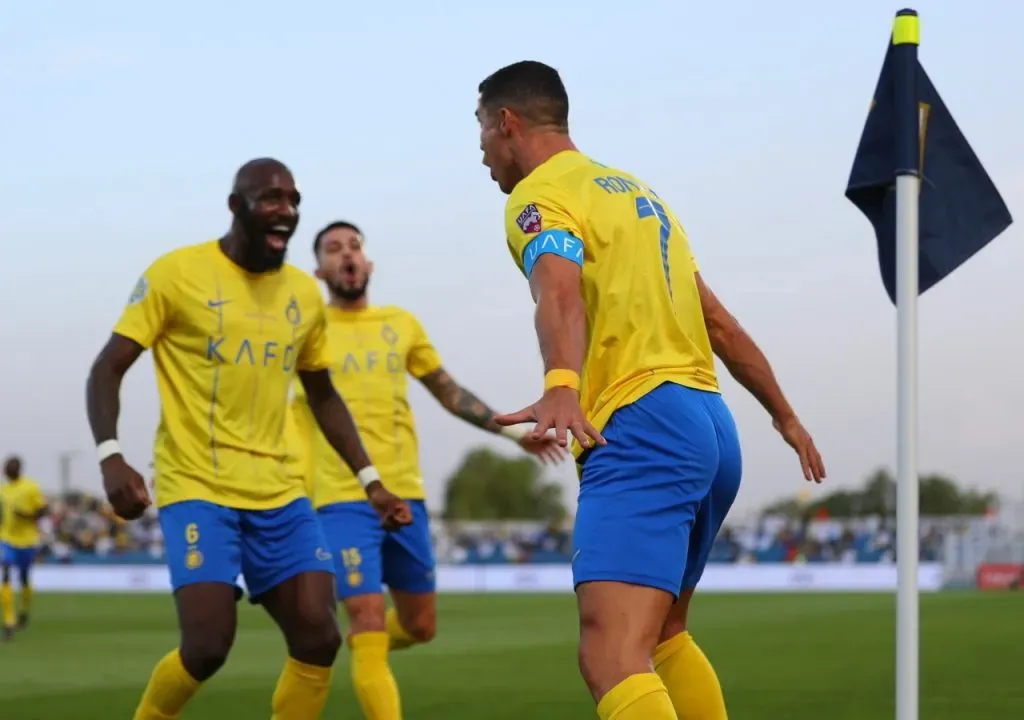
[(627, 329), (230, 326)]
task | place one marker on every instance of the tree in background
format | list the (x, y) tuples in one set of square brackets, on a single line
[(489, 486), (940, 496)]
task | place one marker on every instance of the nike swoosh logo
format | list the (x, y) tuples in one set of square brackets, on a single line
[(217, 303)]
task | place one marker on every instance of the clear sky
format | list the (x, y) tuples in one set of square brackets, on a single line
[(123, 123)]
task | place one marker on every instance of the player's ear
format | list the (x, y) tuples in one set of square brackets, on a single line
[(318, 273), (369, 268), (234, 203), (506, 120)]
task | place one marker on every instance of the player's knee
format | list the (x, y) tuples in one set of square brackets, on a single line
[(365, 613), (603, 657), (615, 642), (204, 654), (317, 642), (422, 625), (23, 577)]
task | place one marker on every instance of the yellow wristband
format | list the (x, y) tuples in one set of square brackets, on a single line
[(561, 378)]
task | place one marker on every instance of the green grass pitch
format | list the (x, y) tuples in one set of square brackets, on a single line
[(803, 657)]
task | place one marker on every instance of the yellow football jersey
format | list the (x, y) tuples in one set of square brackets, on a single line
[(300, 429), (375, 350), (226, 345), (21, 496), (644, 318)]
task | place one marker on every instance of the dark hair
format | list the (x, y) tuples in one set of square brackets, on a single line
[(530, 88), (336, 225)]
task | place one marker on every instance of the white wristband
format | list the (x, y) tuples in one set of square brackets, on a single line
[(514, 432), (368, 475), (107, 448)]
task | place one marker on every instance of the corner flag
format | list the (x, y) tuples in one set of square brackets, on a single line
[(932, 206), (960, 209)]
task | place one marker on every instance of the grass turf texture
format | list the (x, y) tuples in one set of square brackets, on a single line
[(803, 657)]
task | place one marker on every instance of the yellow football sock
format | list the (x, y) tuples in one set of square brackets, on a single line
[(169, 690), (26, 599), (301, 691), (7, 603), (372, 679), (691, 681), (399, 638), (638, 697)]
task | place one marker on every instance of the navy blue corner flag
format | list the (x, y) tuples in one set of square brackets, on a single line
[(960, 208)]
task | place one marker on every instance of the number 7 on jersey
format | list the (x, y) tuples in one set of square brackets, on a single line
[(645, 208)]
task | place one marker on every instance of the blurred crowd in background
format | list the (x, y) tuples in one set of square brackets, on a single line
[(82, 529)]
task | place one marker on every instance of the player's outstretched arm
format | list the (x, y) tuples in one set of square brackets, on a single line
[(749, 366), (561, 322), (459, 401), (462, 403), (125, 488)]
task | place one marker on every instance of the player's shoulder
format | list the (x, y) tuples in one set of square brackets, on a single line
[(549, 181), (180, 259), (560, 184)]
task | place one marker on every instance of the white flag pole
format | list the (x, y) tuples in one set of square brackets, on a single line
[(908, 184), (907, 490)]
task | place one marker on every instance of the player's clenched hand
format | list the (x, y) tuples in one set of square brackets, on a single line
[(392, 510), (794, 433), (558, 409), (125, 488)]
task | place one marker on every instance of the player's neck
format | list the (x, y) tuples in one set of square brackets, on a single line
[(340, 303), (233, 246), (542, 147)]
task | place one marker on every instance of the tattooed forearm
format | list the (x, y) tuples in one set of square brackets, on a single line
[(459, 401)]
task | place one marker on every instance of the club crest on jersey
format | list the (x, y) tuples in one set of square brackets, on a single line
[(529, 220)]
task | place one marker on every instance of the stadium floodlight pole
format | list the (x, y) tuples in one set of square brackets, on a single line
[(65, 458), (905, 39)]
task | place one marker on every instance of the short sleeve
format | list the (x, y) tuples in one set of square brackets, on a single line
[(316, 351), (536, 224), (423, 357), (302, 430), (150, 307)]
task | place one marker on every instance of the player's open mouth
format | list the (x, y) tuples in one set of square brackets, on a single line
[(348, 272), (277, 238)]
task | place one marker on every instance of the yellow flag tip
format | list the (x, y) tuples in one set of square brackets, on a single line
[(906, 28)]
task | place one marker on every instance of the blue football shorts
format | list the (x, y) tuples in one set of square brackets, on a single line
[(366, 557), (653, 499), (206, 542), (19, 557)]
